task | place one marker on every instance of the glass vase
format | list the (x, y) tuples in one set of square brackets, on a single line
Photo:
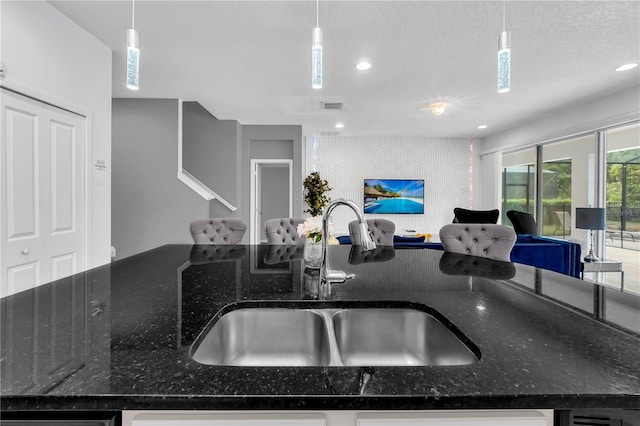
[(312, 254)]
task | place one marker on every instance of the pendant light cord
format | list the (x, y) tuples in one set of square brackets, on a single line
[(133, 14), (504, 15), (317, 13)]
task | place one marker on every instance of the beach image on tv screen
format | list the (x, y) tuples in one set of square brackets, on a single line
[(395, 196)]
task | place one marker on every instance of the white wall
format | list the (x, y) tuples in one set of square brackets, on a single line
[(49, 57), (445, 164), (608, 110)]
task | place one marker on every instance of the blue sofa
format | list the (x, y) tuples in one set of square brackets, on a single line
[(542, 252)]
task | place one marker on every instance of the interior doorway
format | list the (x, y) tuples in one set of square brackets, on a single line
[(271, 194)]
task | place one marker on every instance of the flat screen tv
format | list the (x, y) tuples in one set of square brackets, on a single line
[(394, 196)]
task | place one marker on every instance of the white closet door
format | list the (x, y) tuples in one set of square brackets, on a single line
[(42, 193)]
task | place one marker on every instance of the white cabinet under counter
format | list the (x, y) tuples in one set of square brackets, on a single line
[(340, 418)]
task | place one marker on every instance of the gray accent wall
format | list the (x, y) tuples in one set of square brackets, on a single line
[(150, 207), (210, 152)]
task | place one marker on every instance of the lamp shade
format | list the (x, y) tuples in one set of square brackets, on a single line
[(590, 218)]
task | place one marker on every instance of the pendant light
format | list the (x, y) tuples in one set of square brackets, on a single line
[(504, 56), (316, 52), (133, 52)]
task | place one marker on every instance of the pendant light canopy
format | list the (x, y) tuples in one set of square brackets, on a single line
[(316, 52), (133, 53)]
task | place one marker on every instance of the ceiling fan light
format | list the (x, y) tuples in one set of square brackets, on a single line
[(437, 108)]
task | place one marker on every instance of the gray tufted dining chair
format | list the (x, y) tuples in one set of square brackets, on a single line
[(283, 231), (479, 239), (217, 230), (382, 231)]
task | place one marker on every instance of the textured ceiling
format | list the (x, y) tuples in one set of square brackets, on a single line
[(251, 61)]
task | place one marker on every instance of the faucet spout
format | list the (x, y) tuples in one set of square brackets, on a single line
[(327, 276)]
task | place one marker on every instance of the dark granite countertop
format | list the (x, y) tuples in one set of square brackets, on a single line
[(119, 336)]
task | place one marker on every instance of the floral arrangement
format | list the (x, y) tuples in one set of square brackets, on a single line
[(427, 237), (315, 194), (311, 228)]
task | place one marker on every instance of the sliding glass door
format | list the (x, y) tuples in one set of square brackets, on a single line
[(623, 202), (518, 183), (573, 175), (567, 169)]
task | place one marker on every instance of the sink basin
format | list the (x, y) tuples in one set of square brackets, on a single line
[(396, 337), (336, 336), (266, 337)]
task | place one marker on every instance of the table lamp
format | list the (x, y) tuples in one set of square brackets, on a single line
[(590, 218)]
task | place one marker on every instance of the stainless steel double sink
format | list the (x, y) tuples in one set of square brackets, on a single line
[(332, 336)]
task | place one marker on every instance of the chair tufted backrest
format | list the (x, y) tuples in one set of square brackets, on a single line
[(460, 264), (201, 254), (523, 223), (283, 231), (479, 239), (358, 255), (475, 216), (283, 253), (217, 230), (381, 230)]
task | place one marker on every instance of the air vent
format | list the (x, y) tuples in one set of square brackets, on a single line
[(332, 105), (328, 133), (600, 420)]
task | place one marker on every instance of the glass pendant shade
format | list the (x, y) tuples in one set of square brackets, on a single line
[(133, 59), (316, 59), (504, 62)]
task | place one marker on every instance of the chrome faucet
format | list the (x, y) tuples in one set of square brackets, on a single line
[(327, 276)]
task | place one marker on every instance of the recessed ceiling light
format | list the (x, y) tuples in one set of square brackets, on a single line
[(363, 65), (626, 67), (339, 125), (482, 126)]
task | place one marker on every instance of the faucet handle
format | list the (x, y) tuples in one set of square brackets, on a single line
[(338, 276)]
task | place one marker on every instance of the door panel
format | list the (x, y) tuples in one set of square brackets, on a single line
[(63, 193), (270, 194), (62, 266), (274, 193), (21, 173), (42, 235), (20, 277)]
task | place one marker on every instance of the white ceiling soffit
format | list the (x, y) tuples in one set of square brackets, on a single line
[(251, 60)]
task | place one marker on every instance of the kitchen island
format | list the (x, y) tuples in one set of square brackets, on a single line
[(120, 337)]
